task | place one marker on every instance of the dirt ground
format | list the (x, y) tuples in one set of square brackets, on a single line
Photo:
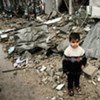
[(21, 85), (26, 84)]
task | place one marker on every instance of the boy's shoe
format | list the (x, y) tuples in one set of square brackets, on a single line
[(71, 92)]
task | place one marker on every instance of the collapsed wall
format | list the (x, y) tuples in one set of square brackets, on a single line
[(92, 42)]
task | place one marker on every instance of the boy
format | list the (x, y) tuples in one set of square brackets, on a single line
[(73, 62)]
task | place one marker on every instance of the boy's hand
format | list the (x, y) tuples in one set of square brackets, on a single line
[(82, 67)]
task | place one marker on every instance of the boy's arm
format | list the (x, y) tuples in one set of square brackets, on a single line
[(84, 61), (64, 65)]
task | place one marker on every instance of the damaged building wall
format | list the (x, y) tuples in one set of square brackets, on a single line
[(51, 5), (94, 8), (95, 3), (91, 43), (20, 7), (27, 6)]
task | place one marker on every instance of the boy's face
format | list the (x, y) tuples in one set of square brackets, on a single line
[(74, 43)]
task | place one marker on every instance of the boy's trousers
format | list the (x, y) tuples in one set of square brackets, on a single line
[(73, 80)]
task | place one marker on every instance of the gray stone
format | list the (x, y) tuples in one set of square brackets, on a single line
[(60, 93), (54, 98), (63, 45), (48, 6), (50, 79), (90, 70), (91, 43), (43, 68), (60, 86), (50, 71), (44, 80), (58, 73), (54, 85), (27, 55), (66, 28)]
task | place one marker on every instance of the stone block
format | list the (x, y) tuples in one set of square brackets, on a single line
[(95, 12), (90, 70), (60, 86)]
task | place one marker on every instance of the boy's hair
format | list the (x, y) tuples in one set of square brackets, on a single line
[(74, 35)]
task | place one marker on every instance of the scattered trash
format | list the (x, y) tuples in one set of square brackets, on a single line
[(59, 87), (3, 36), (11, 50), (19, 62), (43, 68), (53, 21)]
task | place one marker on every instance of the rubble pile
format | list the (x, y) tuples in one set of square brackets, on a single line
[(91, 43), (26, 9), (36, 44)]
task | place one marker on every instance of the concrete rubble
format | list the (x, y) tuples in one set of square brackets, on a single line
[(91, 42), (90, 70)]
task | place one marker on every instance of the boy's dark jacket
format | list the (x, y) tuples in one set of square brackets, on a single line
[(73, 64)]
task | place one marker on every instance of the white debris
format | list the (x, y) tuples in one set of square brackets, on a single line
[(8, 30), (15, 65), (19, 61), (59, 87), (98, 78), (39, 19), (48, 39), (11, 49), (87, 29), (54, 98), (4, 36), (43, 68), (53, 21), (93, 82)]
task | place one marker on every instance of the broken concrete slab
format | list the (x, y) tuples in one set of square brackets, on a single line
[(95, 12), (61, 47), (60, 86), (26, 54), (43, 68), (66, 28), (60, 93), (48, 6), (3, 36), (31, 37), (91, 43), (53, 21), (90, 70)]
